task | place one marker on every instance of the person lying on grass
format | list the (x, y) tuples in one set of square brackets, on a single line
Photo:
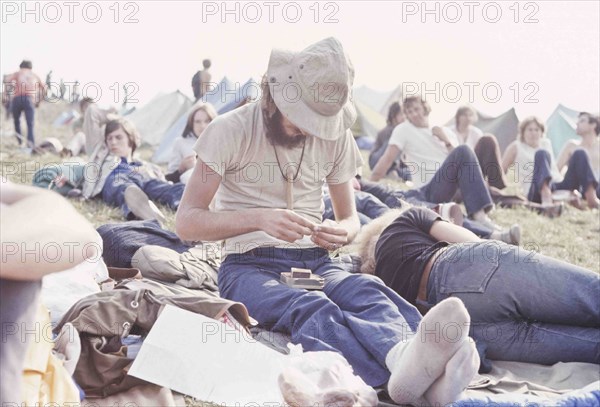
[(113, 174), (524, 306)]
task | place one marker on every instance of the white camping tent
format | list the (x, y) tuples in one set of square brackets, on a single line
[(222, 94), (394, 96), (245, 93), (224, 97), (372, 98), (153, 120)]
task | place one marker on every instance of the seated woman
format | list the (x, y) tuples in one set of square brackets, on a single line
[(485, 146), (394, 118), (521, 306), (113, 174), (183, 157), (536, 168)]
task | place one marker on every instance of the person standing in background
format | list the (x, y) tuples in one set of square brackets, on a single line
[(201, 79), (27, 91)]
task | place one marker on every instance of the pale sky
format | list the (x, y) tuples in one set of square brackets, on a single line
[(550, 55)]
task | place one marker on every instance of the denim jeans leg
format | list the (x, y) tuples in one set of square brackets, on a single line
[(478, 228), (311, 318), (16, 106), (461, 171), (328, 208), (29, 118), (113, 192), (541, 174), (579, 175), (377, 315), (163, 192), (384, 193), (368, 205), (519, 303)]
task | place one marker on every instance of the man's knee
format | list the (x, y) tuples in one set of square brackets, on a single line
[(578, 155), (542, 155), (463, 153), (488, 141)]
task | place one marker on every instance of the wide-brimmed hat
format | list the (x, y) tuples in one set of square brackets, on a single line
[(313, 88)]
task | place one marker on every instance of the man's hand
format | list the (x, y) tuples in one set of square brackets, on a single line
[(329, 235), (284, 224)]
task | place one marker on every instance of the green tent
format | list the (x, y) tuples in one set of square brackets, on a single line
[(368, 121), (560, 127), (505, 126)]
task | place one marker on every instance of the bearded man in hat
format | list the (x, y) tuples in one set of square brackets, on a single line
[(265, 164)]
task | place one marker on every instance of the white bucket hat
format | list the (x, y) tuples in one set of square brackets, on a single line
[(312, 88)]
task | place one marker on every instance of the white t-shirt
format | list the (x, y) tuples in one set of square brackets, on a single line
[(235, 146), (524, 164), (472, 138), (424, 153), (182, 148)]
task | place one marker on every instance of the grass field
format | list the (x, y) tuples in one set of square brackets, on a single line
[(574, 237)]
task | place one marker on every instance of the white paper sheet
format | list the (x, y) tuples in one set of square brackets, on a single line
[(208, 360)]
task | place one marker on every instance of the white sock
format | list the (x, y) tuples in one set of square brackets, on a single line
[(459, 372), (420, 361)]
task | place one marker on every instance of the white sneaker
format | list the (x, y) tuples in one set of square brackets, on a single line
[(510, 236), (452, 213)]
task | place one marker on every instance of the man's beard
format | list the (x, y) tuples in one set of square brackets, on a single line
[(276, 133)]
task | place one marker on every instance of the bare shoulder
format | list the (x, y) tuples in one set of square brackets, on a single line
[(512, 147)]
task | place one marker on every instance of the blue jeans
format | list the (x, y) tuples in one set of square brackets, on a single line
[(113, 192), (579, 175), (120, 241), (400, 167), (524, 306), (21, 104), (368, 207), (392, 198), (460, 170), (355, 315)]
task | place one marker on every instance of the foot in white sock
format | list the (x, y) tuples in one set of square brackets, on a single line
[(420, 361), (459, 372)]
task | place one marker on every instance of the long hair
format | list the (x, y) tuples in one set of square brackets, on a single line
[(526, 122), (369, 235), (189, 125), (267, 103), (273, 120), (393, 112), (409, 100), (132, 134), (592, 119), (463, 110)]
